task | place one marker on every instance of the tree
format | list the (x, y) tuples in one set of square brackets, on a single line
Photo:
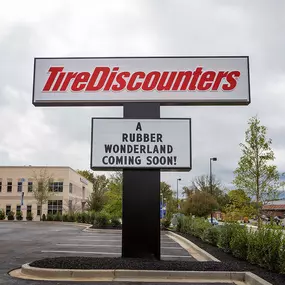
[(97, 198), (72, 206), (239, 205), (199, 204), (168, 196), (41, 187), (254, 174), (113, 203), (202, 184)]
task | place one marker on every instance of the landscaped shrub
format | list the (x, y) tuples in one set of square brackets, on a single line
[(71, 217), (57, 217), (19, 215), (78, 217), (65, 218), (49, 217), (239, 243), (102, 219), (281, 256), (29, 216), (198, 226), (115, 222), (11, 216), (44, 218), (211, 235), (226, 233), (2, 215), (264, 247), (92, 217)]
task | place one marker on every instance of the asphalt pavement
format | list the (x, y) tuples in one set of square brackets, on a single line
[(24, 242)]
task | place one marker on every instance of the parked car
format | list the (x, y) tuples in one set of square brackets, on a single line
[(214, 221)]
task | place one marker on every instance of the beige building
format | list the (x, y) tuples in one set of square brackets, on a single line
[(69, 190)]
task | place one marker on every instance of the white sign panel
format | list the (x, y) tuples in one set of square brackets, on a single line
[(164, 80), (141, 143)]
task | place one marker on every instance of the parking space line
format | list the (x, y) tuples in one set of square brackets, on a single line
[(87, 245), (75, 251), (107, 253), (94, 240)]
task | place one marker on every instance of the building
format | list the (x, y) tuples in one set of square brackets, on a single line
[(274, 208), (70, 190)]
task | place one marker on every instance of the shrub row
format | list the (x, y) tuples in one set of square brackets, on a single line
[(98, 219), (19, 216), (264, 247)]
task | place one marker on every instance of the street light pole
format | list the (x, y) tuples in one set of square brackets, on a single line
[(178, 179), (211, 186)]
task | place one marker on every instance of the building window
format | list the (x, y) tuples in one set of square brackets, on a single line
[(29, 209), (0, 185), (70, 187), (9, 186), (70, 205), (54, 207), (30, 186), (20, 186), (56, 187), (38, 210), (18, 208), (8, 209)]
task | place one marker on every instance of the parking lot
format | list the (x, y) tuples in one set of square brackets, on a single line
[(24, 242)]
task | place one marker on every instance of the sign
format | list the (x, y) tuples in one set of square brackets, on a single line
[(84, 181), (164, 80), (141, 143)]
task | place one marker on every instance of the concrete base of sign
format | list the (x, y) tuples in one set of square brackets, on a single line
[(239, 278)]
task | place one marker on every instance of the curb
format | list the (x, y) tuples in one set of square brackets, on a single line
[(28, 272), (197, 252), (88, 229)]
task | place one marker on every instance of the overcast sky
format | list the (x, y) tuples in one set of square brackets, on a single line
[(61, 136)]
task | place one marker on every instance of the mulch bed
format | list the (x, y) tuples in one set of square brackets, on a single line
[(228, 263), (237, 264)]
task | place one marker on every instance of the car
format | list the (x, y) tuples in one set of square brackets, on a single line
[(214, 221)]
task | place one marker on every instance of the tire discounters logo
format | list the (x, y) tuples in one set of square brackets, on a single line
[(113, 81)]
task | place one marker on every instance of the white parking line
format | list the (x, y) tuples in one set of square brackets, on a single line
[(78, 239), (90, 245), (105, 245), (106, 253)]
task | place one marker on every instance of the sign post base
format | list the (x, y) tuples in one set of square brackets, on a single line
[(141, 199)]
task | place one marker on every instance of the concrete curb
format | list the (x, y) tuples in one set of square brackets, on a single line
[(88, 229), (28, 272), (192, 248)]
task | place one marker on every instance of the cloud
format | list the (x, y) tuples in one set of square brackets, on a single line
[(61, 136)]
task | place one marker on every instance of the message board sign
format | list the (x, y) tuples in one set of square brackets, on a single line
[(164, 80), (141, 143)]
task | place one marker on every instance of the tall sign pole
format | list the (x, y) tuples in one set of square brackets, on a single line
[(141, 144), (141, 198)]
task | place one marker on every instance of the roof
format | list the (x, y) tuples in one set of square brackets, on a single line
[(274, 207)]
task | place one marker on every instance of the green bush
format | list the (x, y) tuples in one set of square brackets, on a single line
[(226, 233), (65, 218), (11, 216), (239, 242), (44, 218), (264, 248), (165, 223), (115, 222), (2, 215), (71, 217), (102, 219), (29, 216), (211, 235), (19, 215), (57, 217), (281, 256), (50, 217), (78, 217), (92, 217)]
